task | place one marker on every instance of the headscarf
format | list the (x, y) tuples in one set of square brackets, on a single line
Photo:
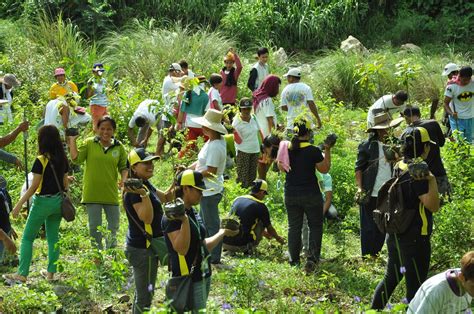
[(269, 88)]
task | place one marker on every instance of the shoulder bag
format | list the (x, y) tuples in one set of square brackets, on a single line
[(68, 211)]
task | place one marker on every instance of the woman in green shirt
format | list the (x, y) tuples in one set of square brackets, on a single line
[(104, 157)]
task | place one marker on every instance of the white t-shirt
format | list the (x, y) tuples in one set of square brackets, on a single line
[(213, 154), (295, 97), (462, 98), (249, 133), (214, 95), (191, 74), (265, 109), (169, 87), (384, 172), (436, 296), (51, 114), (386, 104), (148, 109)]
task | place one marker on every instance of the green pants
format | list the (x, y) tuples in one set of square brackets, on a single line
[(43, 210)]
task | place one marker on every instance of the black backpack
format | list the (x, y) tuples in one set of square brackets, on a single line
[(390, 214)]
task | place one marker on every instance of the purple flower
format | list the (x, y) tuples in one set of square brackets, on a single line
[(294, 299), (405, 301), (389, 306), (403, 270), (357, 299), (150, 288), (468, 311), (226, 306)]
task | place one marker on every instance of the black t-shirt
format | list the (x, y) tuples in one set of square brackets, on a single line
[(302, 176), (135, 236), (48, 185), (196, 247), (433, 159), (250, 211), (5, 208)]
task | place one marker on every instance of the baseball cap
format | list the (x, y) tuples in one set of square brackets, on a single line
[(175, 67), (259, 185), (192, 178), (450, 67), (245, 102), (59, 71), (140, 155), (293, 72), (99, 67)]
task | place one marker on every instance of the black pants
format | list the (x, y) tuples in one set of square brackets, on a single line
[(371, 239), (408, 256)]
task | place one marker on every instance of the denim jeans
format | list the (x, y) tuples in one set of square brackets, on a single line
[(145, 267), (210, 216), (371, 239), (200, 294), (112, 214), (409, 257), (465, 126), (310, 204)]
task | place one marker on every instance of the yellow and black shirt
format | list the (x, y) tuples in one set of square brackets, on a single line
[(48, 185)]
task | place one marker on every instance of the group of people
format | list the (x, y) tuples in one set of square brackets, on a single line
[(193, 239)]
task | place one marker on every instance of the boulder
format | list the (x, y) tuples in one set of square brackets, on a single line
[(280, 57), (352, 44), (410, 47)]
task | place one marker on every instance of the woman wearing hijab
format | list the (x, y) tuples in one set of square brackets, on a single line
[(263, 105)]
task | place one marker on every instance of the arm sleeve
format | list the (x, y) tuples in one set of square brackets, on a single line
[(252, 79), (131, 123), (419, 187), (169, 226), (440, 135), (82, 152), (122, 164), (449, 92), (362, 158), (37, 167), (283, 98), (318, 155), (215, 156), (309, 94), (7, 157), (327, 181), (238, 64), (265, 216), (269, 108), (52, 92), (74, 87), (132, 198)]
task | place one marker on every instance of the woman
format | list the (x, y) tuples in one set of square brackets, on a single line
[(49, 169), (211, 163), (62, 85), (263, 105), (143, 208), (104, 157), (230, 75), (302, 193), (97, 95), (185, 235)]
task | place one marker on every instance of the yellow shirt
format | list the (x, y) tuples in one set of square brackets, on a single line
[(61, 90)]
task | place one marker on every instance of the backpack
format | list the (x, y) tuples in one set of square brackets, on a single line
[(390, 214)]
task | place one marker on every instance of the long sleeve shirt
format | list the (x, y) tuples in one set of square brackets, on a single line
[(229, 93)]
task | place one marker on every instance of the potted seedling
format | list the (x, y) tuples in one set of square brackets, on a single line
[(231, 222)]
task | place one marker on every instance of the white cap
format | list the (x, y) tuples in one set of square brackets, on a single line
[(293, 72), (450, 67), (175, 67)]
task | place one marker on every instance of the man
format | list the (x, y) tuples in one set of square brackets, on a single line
[(62, 86), (254, 220), (185, 68), (144, 117), (392, 104), (448, 292), (451, 70), (7, 139), (259, 70), (371, 172), (9, 82), (295, 98), (412, 117), (459, 103)]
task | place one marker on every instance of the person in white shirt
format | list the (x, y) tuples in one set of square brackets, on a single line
[(296, 98), (263, 105), (215, 100), (8, 83), (448, 292), (392, 104), (186, 70), (144, 117), (259, 71)]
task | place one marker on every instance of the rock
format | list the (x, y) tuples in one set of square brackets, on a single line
[(352, 44), (410, 47), (280, 57)]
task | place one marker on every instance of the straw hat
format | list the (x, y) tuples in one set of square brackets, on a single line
[(10, 79), (383, 121), (212, 120)]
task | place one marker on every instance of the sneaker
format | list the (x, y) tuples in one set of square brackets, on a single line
[(12, 279)]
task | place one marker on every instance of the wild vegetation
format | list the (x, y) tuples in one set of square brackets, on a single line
[(138, 55)]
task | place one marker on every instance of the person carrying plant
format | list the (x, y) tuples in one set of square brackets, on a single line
[(254, 219), (448, 292), (263, 106), (50, 178), (451, 70), (96, 93), (247, 138), (268, 150), (409, 251), (372, 169), (259, 71), (144, 117), (391, 104), (230, 75), (62, 86), (459, 104), (8, 83)]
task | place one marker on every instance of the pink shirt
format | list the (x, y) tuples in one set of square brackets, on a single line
[(229, 93)]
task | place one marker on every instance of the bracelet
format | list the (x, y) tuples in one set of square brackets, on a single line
[(146, 194)]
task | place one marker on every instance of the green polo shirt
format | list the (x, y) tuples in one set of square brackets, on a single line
[(101, 171)]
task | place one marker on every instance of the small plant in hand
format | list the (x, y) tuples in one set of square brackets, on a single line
[(231, 222)]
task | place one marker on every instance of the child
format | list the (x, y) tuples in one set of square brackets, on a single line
[(259, 70), (247, 138), (96, 94), (215, 100)]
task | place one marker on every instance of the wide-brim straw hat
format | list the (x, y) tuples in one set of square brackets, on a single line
[(383, 121), (212, 119), (10, 79)]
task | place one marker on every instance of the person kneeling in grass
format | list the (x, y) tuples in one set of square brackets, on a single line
[(254, 220)]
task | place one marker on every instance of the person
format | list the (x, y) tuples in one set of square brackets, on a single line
[(230, 75), (215, 99), (259, 71), (62, 86), (144, 117), (392, 104), (104, 157), (372, 169), (409, 252), (144, 213), (268, 150), (185, 68), (9, 138), (254, 219), (96, 93), (451, 70), (50, 178), (7, 233), (7, 245), (211, 163), (185, 236), (434, 161), (295, 98), (448, 292), (302, 193), (9, 83), (459, 103), (263, 106)]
